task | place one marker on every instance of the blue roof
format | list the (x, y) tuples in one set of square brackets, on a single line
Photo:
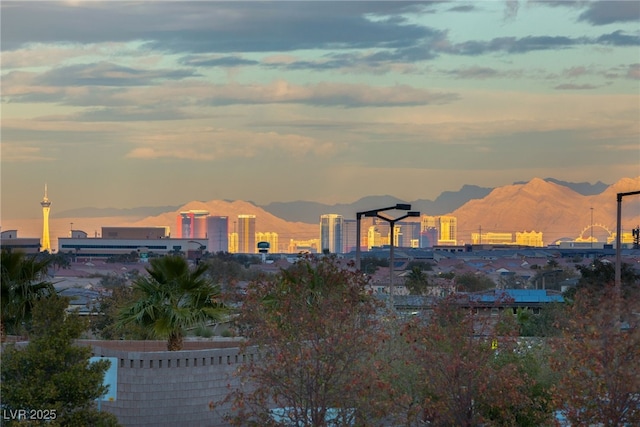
[(519, 296)]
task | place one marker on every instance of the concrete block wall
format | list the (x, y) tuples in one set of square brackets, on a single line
[(171, 388)]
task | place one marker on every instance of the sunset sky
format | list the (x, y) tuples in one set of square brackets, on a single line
[(125, 104)]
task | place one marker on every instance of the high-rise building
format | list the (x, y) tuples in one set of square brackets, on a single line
[(270, 237), (331, 226), (374, 237), (46, 207), (218, 234), (247, 234), (408, 234), (349, 235), (448, 230), (233, 243), (192, 224), (429, 237), (445, 225)]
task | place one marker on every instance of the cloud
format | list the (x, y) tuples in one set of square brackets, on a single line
[(600, 12), (511, 9), (218, 61), (513, 45), (481, 73), (13, 153), (214, 27), (157, 95), (124, 114), (572, 86), (328, 94), (575, 71), (108, 74), (462, 8), (611, 11), (618, 38), (634, 72), (210, 144)]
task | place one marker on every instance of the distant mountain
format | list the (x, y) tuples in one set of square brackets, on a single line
[(265, 221), (111, 212), (556, 210), (584, 188), (310, 212), (449, 201)]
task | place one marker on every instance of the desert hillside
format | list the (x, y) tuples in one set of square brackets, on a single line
[(265, 222), (555, 210)]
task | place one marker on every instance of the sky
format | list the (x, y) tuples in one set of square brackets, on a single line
[(127, 104)]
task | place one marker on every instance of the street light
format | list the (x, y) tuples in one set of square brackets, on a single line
[(618, 274), (392, 223), (373, 213)]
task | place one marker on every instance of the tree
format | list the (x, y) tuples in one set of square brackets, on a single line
[(417, 281), (597, 358), (465, 371), (51, 374), (318, 333), (23, 282), (600, 273), (104, 323), (474, 282), (369, 265), (545, 324), (173, 297)]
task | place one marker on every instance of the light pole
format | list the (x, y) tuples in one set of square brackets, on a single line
[(618, 279), (591, 227), (373, 213), (392, 223)]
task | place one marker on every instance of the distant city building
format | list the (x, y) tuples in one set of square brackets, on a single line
[(233, 243), (446, 226), (83, 247), (218, 234), (532, 238), (247, 234), (135, 232), (491, 238), (429, 237), (448, 230), (10, 241), (46, 208), (408, 234), (374, 238), (271, 238), (192, 224), (331, 229), (349, 233), (304, 246)]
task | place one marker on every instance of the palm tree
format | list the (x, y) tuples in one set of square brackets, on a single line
[(173, 297), (417, 281), (22, 282)]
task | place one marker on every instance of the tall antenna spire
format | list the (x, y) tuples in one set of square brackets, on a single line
[(46, 207)]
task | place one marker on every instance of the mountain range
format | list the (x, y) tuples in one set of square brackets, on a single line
[(305, 211), (556, 208)]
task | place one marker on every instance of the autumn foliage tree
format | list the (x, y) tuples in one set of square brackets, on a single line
[(598, 358), (467, 371), (318, 334)]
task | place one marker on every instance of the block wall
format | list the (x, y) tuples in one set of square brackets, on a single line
[(163, 388)]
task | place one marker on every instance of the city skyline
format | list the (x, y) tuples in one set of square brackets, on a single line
[(159, 103)]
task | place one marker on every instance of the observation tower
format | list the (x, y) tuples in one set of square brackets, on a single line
[(46, 207)]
